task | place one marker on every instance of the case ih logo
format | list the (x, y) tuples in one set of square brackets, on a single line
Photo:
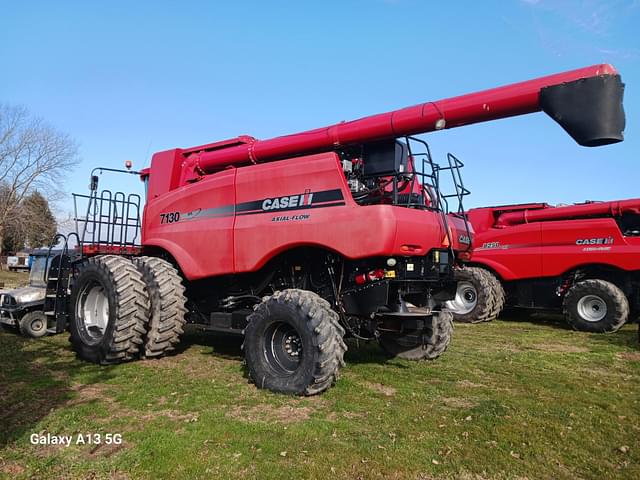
[(291, 201), (595, 241)]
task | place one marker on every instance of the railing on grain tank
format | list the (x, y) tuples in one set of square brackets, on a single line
[(111, 223)]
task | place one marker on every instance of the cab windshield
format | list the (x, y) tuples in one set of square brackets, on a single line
[(36, 275)]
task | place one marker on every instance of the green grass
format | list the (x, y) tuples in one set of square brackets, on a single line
[(13, 279), (508, 400)]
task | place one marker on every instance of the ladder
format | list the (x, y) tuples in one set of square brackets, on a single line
[(58, 274)]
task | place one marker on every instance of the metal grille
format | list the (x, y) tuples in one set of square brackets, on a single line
[(111, 219)]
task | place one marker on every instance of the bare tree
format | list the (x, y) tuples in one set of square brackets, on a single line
[(33, 155)]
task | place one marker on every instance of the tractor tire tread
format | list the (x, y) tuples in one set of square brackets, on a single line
[(616, 295), (328, 335), (167, 306), (131, 302)]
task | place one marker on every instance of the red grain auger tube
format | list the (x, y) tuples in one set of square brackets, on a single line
[(586, 102), (583, 210)]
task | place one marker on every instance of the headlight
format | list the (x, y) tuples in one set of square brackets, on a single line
[(8, 301)]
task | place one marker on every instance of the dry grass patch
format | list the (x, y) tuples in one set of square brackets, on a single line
[(385, 390), (456, 402), (632, 356), (270, 414), (559, 348), (11, 468), (469, 384)]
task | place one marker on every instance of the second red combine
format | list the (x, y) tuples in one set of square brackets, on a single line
[(582, 260)]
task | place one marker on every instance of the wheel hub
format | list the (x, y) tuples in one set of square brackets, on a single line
[(293, 345), (283, 348), (37, 325), (592, 308), (93, 309), (466, 299)]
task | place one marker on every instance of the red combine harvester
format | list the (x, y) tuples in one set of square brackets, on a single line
[(583, 260), (298, 241)]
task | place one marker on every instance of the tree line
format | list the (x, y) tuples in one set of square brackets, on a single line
[(34, 157)]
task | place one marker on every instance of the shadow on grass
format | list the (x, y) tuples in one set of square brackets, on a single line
[(361, 352), (38, 376), (524, 315), (230, 347), (223, 345), (627, 338)]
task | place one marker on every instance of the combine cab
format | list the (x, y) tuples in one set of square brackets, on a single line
[(300, 241)]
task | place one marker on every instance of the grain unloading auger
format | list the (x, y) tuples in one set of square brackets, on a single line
[(301, 240), (586, 102), (543, 213)]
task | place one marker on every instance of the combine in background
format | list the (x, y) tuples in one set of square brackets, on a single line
[(582, 260)]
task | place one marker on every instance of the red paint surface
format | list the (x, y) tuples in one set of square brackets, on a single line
[(538, 240)]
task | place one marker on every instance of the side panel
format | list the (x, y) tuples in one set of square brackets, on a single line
[(481, 218), (514, 252), (266, 225), (572, 243), (195, 224), (323, 212), (236, 220)]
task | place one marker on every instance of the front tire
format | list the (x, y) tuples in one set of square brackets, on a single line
[(109, 307), (595, 306), (293, 343), (478, 298), (410, 347), (33, 324)]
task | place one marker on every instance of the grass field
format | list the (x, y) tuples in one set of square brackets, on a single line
[(13, 279), (510, 399)]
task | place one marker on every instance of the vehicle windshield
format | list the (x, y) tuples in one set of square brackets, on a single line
[(36, 276)]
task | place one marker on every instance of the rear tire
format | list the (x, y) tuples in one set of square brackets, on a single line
[(407, 347), (293, 343), (167, 306), (109, 307), (477, 296), (499, 295), (33, 324), (595, 306)]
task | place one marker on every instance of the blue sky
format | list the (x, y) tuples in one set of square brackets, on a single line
[(126, 79)]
